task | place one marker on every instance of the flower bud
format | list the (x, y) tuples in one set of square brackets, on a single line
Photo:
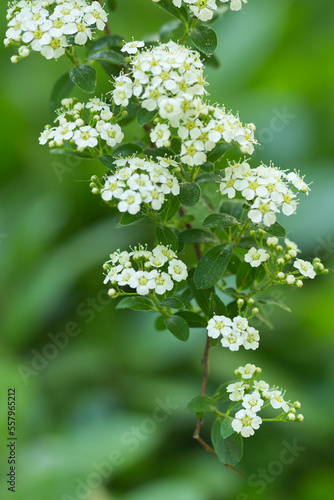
[(299, 283), (111, 292), (6, 42), (148, 265), (297, 404), (315, 260), (94, 178), (291, 417), (95, 191), (240, 302), (290, 279), (300, 417), (255, 310), (279, 248), (127, 264), (318, 267), (261, 232), (280, 261), (272, 241), (325, 271), (79, 122), (167, 144), (92, 185), (14, 59), (24, 51), (251, 301), (258, 370), (280, 276), (252, 233), (292, 253)]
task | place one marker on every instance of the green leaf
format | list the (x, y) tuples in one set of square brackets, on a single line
[(128, 219), (245, 276), (234, 208), (135, 303), (178, 327), (160, 324), (176, 146), (219, 151), (109, 56), (221, 392), (211, 61), (84, 77), (167, 237), (172, 303), (202, 297), (104, 42), (220, 220), (201, 404), (192, 236), (173, 30), (275, 230), (75, 154), (208, 167), (112, 5), (61, 89), (144, 116), (206, 178), (108, 161), (226, 428), (169, 208), (217, 306), (194, 320), (212, 266), (178, 12), (229, 450), (190, 193), (274, 302), (204, 39), (127, 149)]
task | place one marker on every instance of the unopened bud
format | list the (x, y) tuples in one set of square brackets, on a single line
[(252, 233), (292, 253), (240, 302), (280, 261), (95, 191), (297, 404), (280, 276), (290, 279), (111, 292), (291, 417), (300, 417), (14, 59), (251, 301), (299, 283), (255, 310), (279, 248), (24, 51)]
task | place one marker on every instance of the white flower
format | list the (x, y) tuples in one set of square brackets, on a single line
[(252, 401), (277, 401), (203, 9), (240, 323), (86, 137), (232, 340), (177, 270), (54, 48), (160, 134), (130, 202), (112, 134), (263, 211), (255, 256), (140, 281), (245, 422), (132, 47), (246, 371), (113, 188), (251, 338), (219, 325), (291, 245), (125, 276), (237, 386), (261, 385), (305, 268), (160, 282), (95, 14)]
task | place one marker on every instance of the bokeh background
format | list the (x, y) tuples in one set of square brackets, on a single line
[(93, 402)]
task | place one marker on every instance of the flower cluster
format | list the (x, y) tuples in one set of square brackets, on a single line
[(204, 9), (235, 333), (83, 126), (266, 189), (144, 271), (254, 396), (168, 81), (50, 26), (137, 181)]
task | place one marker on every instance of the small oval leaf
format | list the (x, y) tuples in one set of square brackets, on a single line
[(84, 77)]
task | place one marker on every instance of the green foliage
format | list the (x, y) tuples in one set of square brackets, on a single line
[(190, 193), (84, 77), (135, 303), (220, 220), (173, 30), (247, 275), (128, 149), (201, 404), (212, 266), (178, 327), (205, 39), (230, 449), (217, 307), (104, 42), (172, 303), (61, 89), (226, 428), (218, 151), (193, 236), (144, 116), (108, 161), (180, 13), (167, 237), (109, 56), (194, 320), (275, 230), (202, 297)]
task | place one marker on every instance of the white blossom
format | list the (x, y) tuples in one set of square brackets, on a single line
[(305, 268), (256, 256), (245, 422)]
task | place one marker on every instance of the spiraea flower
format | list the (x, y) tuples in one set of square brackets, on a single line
[(50, 26), (82, 126), (144, 271), (254, 396), (256, 256), (138, 184), (235, 333), (267, 190), (204, 9)]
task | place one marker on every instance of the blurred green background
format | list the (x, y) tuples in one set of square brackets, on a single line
[(95, 400)]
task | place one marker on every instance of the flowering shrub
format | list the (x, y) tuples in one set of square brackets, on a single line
[(180, 148)]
